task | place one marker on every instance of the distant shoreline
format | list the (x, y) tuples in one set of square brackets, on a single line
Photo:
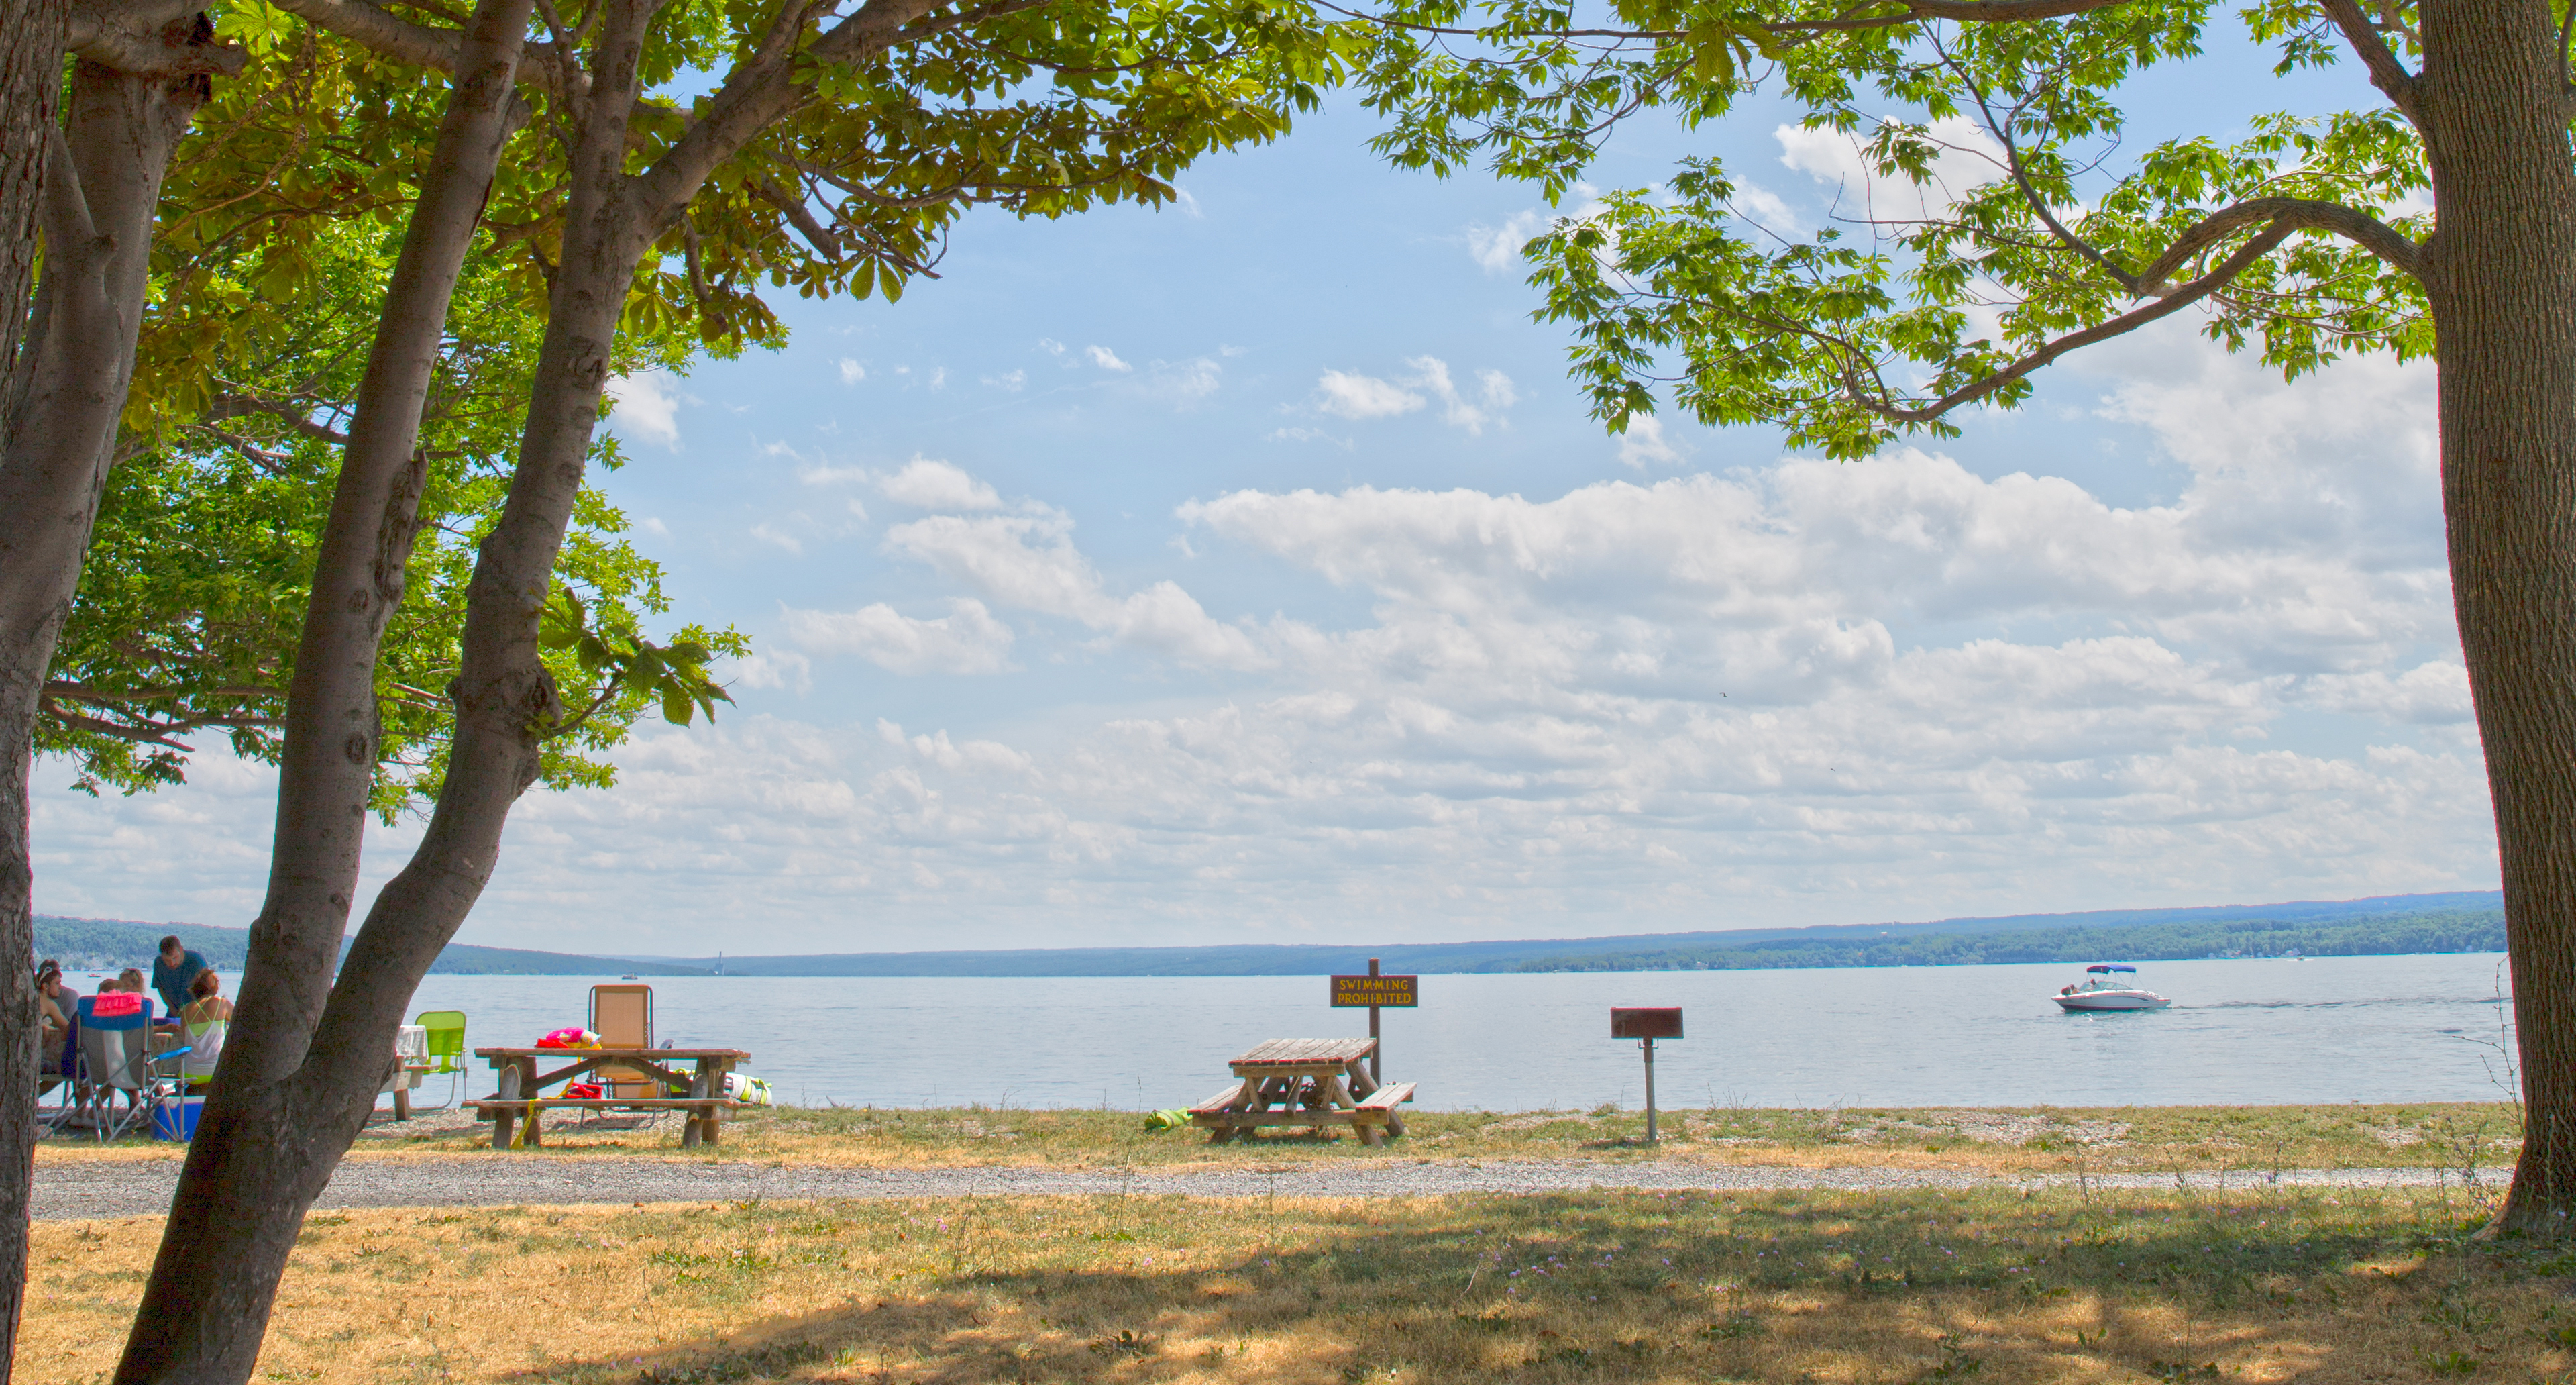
[(2401, 925)]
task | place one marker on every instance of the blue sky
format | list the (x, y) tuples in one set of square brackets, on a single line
[(1248, 570)]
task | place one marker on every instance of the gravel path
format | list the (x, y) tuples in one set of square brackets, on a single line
[(142, 1188)]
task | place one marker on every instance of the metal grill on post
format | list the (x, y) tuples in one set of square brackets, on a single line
[(1646, 1026)]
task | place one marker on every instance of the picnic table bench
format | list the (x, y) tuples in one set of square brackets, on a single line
[(520, 1085), (1308, 1082)]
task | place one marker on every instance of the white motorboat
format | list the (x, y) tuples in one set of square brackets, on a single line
[(2105, 988)]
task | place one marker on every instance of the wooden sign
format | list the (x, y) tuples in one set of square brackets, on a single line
[(1375, 991), (1645, 1024)]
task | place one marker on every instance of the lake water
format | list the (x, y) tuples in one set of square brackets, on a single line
[(2323, 1030)]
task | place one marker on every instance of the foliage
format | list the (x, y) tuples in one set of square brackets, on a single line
[(279, 229), (1039, 109), (2004, 229)]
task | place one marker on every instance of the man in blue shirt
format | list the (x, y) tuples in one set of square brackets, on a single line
[(173, 972)]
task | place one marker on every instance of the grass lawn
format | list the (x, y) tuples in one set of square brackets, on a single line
[(2051, 1139), (1601, 1289)]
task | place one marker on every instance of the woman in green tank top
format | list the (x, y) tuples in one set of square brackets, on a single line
[(206, 1020)]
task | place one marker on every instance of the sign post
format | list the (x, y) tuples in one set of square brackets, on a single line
[(1646, 1026), (1373, 991)]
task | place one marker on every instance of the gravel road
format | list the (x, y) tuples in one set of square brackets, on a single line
[(140, 1188)]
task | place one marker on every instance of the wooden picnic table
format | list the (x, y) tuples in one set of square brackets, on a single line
[(1309, 1082), (521, 1084)]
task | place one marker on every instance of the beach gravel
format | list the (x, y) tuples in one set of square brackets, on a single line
[(125, 1188)]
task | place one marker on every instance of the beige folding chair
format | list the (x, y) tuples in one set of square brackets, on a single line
[(622, 1017)]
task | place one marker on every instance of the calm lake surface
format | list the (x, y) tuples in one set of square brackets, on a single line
[(2323, 1030)]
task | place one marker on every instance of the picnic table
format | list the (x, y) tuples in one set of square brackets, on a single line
[(1309, 1082), (520, 1085)]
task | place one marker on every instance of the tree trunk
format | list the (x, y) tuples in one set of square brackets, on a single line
[(2501, 275), (103, 180), (31, 70), (274, 1126)]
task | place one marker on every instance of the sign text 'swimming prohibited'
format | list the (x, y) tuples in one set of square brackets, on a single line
[(1375, 990)]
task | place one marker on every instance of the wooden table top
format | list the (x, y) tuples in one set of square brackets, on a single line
[(610, 1053), (1306, 1052)]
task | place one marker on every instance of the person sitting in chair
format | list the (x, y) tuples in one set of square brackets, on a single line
[(206, 1020), (55, 1005)]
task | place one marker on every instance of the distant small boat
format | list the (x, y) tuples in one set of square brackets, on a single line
[(630, 976), (2104, 990)]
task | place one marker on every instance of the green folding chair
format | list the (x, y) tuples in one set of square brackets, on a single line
[(446, 1048)]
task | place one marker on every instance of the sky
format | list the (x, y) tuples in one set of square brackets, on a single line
[(1248, 571)]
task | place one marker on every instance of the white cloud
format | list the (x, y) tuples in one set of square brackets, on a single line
[(777, 538), (1352, 396), (1106, 359), (646, 406), (852, 372), (769, 668), (1645, 442), (1498, 248), (1836, 157), (928, 484), (1183, 382), (966, 640), (1766, 208), (1357, 397), (1012, 380), (1029, 562)]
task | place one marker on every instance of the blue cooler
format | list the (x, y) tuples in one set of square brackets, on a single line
[(177, 1119)]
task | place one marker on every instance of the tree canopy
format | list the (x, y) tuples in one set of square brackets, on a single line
[(2033, 233), (276, 238)]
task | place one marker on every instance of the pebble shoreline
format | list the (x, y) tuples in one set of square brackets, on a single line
[(78, 1191)]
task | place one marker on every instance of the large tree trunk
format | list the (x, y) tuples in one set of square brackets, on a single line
[(103, 180), (2501, 275), (283, 1107), (31, 69)]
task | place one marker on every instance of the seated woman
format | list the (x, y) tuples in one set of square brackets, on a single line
[(206, 1020), (53, 1023)]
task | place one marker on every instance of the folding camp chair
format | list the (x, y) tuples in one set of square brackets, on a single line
[(446, 1049), (115, 1029), (622, 1017), (165, 1076)]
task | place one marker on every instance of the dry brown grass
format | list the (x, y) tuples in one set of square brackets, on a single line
[(1552, 1290), (2047, 1139)]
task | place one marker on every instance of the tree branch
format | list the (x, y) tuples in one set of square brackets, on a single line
[(2285, 214), (2386, 72), (799, 216), (368, 25), (1876, 401), (296, 417)]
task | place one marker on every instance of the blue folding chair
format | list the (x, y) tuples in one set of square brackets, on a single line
[(114, 1045)]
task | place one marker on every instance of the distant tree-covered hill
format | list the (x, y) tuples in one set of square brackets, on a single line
[(2470, 922), (2335, 926), (2451, 930), (84, 945)]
